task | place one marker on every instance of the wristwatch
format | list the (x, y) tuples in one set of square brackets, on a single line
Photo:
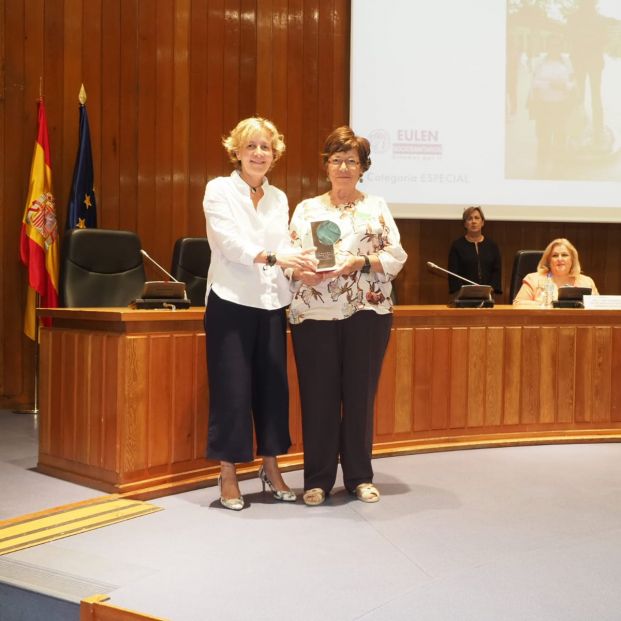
[(366, 268), (270, 258)]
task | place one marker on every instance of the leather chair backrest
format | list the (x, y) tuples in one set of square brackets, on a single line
[(525, 262), (100, 267), (190, 264)]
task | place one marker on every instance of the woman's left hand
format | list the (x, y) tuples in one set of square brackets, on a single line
[(350, 264)]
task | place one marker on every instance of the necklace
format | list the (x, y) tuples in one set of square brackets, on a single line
[(253, 188), (344, 206)]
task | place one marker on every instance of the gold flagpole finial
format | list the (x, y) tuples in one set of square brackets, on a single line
[(82, 95)]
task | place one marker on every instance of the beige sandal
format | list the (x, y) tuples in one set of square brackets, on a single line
[(314, 496), (367, 492)]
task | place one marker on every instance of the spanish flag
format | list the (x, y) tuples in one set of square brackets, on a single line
[(38, 249)]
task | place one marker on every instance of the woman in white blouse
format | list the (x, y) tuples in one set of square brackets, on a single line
[(341, 321), (247, 226)]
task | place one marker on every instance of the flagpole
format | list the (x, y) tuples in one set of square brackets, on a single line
[(35, 408)]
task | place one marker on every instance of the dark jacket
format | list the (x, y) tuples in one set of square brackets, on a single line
[(483, 267)]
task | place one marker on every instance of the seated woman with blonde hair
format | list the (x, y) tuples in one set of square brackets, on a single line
[(559, 267)]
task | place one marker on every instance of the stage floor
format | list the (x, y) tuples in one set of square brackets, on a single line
[(510, 533)]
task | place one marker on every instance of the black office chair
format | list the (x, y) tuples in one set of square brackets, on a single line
[(190, 264), (525, 262), (100, 267)]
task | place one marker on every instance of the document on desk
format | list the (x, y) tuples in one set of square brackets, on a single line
[(602, 302)]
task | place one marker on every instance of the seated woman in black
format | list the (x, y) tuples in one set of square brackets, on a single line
[(474, 256)]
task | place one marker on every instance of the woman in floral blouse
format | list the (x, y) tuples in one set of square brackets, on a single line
[(341, 321)]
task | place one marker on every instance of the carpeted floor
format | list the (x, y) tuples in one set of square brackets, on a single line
[(496, 534)]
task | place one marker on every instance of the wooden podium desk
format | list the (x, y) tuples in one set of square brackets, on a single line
[(124, 400)]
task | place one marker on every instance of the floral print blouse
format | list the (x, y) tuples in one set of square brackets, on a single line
[(367, 227)]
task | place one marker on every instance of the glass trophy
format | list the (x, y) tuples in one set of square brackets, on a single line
[(325, 234)]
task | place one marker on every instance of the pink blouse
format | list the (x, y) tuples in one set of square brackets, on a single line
[(534, 288)]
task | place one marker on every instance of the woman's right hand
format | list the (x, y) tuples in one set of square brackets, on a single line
[(310, 278), (303, 260)]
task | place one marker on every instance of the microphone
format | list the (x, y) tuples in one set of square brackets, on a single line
[(437, 267), (163, 289), (479, 296), (145, 254)]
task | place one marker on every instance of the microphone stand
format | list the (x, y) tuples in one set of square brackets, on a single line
[(433, 266), (460, 301), (145, 254), (35, 407), (161, 296)]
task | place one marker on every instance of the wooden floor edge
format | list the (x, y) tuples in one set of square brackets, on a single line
[(178, 483), (96, 608), (249, 471), (409, 447), (390, 449)]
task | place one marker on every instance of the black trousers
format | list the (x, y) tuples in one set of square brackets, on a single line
[(247, 375), (339, 364)]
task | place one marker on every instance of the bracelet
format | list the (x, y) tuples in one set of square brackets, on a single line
[(366, 268), (271, 259)]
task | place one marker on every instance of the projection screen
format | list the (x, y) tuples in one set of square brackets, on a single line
[(512, 105)]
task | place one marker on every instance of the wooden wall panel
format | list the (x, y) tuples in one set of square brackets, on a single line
[(96, 410), (615, 370), (402, 422), (111, 379), (389, 404), (109, 181), (494, 353), (183, 407), (439, 363), (165, 81), (566, 372), (530, 376), (133, 376), (65, 433), (423, 348), (82, 417), (459, 373), (160, 403), (127, 212), (548, 374), (584, 352), (159, 415), (511, 380), (477, 364), (601, 378)]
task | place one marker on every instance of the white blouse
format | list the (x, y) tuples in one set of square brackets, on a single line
[(237, 233), (367, 227)]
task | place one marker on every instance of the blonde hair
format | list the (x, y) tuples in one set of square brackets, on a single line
[(544, 263), (247, 128)]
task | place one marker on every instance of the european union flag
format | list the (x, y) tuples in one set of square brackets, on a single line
[(82, 212)]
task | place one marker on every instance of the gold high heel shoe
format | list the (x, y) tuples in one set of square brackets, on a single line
[(286, 495), (314, 497), (234, 504)]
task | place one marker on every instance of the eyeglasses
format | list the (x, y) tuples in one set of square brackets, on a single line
[(337, 162)]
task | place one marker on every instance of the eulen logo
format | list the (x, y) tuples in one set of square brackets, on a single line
[(380, 141), (417, 143)]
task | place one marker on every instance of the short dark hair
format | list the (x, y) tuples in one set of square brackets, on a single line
[(344, 139), (468, 211)]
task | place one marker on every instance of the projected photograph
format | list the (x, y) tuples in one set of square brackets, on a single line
[(563, 90)]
